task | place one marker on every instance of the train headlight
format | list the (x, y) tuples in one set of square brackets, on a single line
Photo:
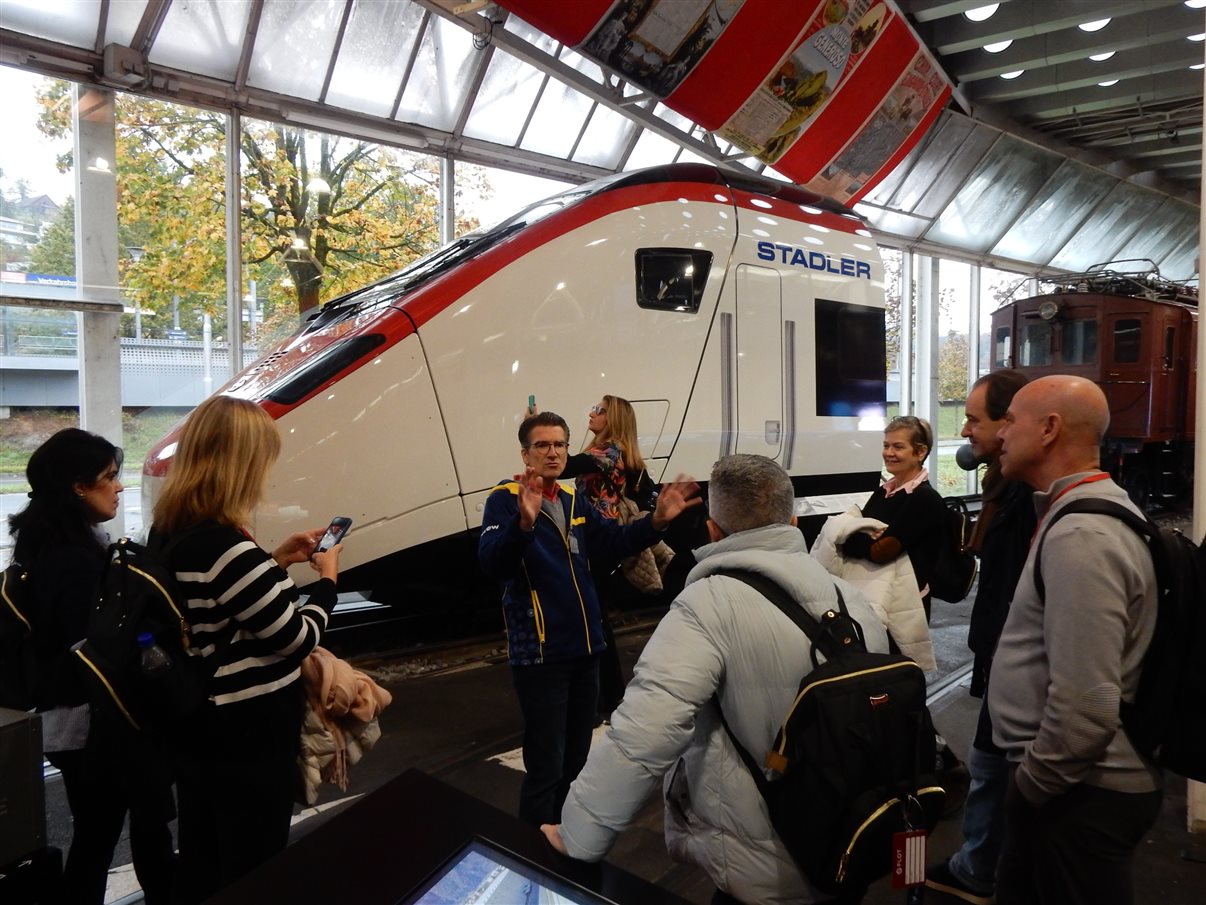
[(1048, 310)]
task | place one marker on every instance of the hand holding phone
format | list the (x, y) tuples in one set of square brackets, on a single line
[(335, 532)]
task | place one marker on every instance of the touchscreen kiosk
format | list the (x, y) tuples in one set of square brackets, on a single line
[(480, 874)]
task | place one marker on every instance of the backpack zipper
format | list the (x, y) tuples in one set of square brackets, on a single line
[(845, 862)]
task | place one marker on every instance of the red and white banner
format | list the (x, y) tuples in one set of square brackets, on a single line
[(821, 91)]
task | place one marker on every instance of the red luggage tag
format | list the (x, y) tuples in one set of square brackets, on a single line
[(908, 859)]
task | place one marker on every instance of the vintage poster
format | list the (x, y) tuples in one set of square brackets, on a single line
[(838, 39), (890, 132), (656, 43)]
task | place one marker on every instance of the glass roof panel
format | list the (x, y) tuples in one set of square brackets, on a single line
[(293, 46), (651, 149), (588, 68), (1109, 226), (1180, 264), (995, 193), (504, 99), (439, 82), (882, 193), (607, 135), (895, 222), (203, 36), (1053, 216), (373, 56), (539, 39), (558, 119), (123, 21), (1162, 233), (954, 153), (73, 22)]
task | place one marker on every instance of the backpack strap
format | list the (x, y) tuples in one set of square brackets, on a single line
[(1141, 525)]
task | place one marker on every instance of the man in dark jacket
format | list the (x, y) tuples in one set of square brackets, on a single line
[(534, 541), (1001, 540)]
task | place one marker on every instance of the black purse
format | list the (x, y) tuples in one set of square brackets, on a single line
[(955, 567)]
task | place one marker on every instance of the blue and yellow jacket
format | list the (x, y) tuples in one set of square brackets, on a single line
[(549, 600)]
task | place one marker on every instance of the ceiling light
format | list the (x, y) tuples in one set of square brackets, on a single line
[(1012, 75), (1102, 57), (1195, 4), (1110, 84), (998, 46), (1095, 25), (1198, 37), (980, 13), (1198, 65)]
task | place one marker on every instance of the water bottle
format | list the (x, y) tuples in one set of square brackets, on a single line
[(154, 659)]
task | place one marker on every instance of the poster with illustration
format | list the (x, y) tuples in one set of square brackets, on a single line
[(835, 43), (656, 43), (890, 132)]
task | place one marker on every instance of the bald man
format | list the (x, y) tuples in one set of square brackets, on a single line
[(1079, 797)]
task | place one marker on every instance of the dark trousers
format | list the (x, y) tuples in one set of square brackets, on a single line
[(558, 703), (103, 782), (720, 897), (237, 776), (1077, 849)]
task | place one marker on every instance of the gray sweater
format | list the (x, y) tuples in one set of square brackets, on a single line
[(1061, 669)]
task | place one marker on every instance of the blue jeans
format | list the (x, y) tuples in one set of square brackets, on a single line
[(558, 702), (975, 864)]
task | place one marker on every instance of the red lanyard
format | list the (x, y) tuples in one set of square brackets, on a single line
[(1089, 480)]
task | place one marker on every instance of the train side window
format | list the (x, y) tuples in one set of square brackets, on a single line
[(671, 279), (1170, 338), (1079, 342), (1002, 346), (1034, 345), (322, 367), (851, 362), (1127, 337)]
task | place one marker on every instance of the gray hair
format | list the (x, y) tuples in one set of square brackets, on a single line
[(747, 492)]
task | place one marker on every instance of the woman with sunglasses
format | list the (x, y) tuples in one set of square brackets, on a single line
[(107, 768), (913, 510)]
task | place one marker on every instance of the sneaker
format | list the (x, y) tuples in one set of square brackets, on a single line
[(941, 879)]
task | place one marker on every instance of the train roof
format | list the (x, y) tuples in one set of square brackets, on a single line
[(1113, 279)]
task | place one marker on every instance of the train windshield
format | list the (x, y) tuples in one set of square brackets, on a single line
[(390, 290)]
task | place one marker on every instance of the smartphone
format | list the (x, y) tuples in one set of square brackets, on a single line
[(532, 404), (335, 531)]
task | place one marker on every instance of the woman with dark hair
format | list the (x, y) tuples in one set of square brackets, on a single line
[(236, 763), (107, 768), (913, 510)]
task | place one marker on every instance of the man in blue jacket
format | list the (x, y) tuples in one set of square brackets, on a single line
[(534, 541)]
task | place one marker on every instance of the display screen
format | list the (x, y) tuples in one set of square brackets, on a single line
[(480, 874)]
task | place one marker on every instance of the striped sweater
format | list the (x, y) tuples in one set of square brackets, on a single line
[(243, 609)]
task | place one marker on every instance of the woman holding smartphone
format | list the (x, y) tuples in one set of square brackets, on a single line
[(237, 760)]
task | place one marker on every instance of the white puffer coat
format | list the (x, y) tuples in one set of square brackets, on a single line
[(720, 638)]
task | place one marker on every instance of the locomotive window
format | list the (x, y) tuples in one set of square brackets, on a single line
[(1127, 337), (1170, 336), (1034, 345), (1002, 346), (322, 367), (850, 358), (671, 279), (1079, 342)]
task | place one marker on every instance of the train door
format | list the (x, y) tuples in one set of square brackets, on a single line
[(759, 335), (1127, 373)]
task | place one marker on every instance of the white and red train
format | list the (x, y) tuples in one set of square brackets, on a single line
[(738, 314)]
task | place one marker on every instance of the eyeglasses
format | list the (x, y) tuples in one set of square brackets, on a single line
[(544, 446), (598, 410)]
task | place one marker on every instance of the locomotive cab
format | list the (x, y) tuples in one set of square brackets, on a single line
[(1134, 335)]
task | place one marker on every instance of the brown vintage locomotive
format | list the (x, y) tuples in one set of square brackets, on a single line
[(1135, 335)]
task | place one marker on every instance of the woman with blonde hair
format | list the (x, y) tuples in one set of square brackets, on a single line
[(237, 759)]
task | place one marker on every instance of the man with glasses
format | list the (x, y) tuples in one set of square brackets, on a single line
[(534, 541)]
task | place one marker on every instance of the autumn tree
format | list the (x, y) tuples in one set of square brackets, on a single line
[(321, 215), (55, 252)]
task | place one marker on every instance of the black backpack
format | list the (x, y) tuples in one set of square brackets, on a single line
[(854, 758), (18, 660), (1166, 722), (138, 596), (955, 566)]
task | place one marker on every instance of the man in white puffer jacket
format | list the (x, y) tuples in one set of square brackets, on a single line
[(721, 638)]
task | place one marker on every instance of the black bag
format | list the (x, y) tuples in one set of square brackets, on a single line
[(18, 659), (955, 568), (1166, 722), (138, 596), (853, 761)]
